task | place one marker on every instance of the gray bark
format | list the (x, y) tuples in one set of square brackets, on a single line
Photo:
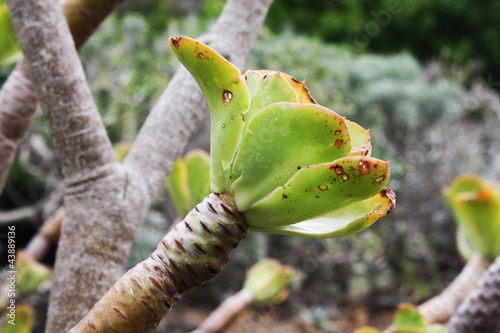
[(17, 107), (17, 97), (480, 312), (105, 201)]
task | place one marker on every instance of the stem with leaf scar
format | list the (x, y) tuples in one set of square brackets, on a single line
[(189, 255)]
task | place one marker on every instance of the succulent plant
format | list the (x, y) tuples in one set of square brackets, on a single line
[(279, 163), (268, 280), (475, 204), (407, 320), (292, 166)]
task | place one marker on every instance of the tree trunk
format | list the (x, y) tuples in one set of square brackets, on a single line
[(17, 97), (105, 201)]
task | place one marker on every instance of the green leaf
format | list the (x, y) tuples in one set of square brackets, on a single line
[(360, 139), (280, 140), (178, 188), (299, 87), (30, 273), (351, 219), (198, 175), (227, 97), (267, 280), (318, 190), (475, 204), (409, 320), (266, 89), (24, 319), (10, 51)]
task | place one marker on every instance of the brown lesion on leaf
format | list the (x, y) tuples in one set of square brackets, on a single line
[(339, 170), (285, 196), (175, 41), (379, 179), (323, 187), (364, 166), (201, 56), (391, 195), (338, 143)]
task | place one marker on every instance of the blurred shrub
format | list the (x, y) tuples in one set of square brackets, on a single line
[(458, 31)]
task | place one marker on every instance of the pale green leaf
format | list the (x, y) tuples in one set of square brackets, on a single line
[(10, 51), (349, 220), (409, 320), (321, 189), (198, 175), (280, 140), (177, 185), (360, 139), (227, 97)]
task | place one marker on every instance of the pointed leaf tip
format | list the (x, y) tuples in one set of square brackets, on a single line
[(228, 99)]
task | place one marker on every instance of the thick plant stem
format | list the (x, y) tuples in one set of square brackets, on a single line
[(192, 253), (225, 312), (480, 312), (439, 309)]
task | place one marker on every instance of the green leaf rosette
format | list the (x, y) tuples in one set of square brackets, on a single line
[(475, 204), (292, 166)]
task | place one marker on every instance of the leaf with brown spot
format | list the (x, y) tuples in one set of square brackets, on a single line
[(218, 79), (346, 185)]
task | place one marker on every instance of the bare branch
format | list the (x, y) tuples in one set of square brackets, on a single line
[(62, 91), (17, 107), (439, 309), (182, 106), (225, 312), (17, 97), (46, 235)]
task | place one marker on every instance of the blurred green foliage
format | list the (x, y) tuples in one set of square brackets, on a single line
[(10, 51), (457, 31)]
